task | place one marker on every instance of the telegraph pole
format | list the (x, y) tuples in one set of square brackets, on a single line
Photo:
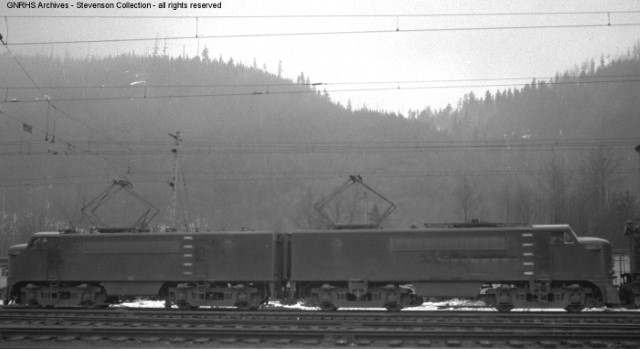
[(174, 180), (2, 218), (633, 232), (637, 148)]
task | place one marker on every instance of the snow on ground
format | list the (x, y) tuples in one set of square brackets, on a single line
[(452, 304), (140, 304), (448, 305)]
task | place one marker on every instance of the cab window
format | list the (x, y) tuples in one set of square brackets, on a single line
[(568, 238), (561, 237), (557, 237), (40, 242)]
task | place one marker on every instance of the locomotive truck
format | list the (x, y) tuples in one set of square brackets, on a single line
[(534, 266)]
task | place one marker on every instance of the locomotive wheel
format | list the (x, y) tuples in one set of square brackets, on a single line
[(328, 307), (416, 301), (247, 307), (394, 307), (575, 308), (187, 306), (504, 308)]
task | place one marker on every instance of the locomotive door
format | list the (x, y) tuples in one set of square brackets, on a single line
[(46, 255), (201, 251), (542, 256)]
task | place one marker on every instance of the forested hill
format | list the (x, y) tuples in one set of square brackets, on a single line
[(258, 149), (593, 101)]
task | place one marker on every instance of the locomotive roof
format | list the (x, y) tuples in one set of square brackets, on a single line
[(552, 227), (507, 229), (46, 233), (244, 232)]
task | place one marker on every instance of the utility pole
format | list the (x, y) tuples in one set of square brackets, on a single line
[(2, 218), (637, 148), (174, 180), (634, 234)]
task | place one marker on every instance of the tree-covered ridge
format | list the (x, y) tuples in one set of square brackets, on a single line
[(591, 101)]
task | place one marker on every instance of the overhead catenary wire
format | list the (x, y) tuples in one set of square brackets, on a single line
[(323, 33), (48, 99), (537, 80), (347, 15), (207, 148), (267, 92), (73, 146), (254, 176)]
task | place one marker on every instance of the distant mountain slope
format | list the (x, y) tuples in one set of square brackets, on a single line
[(593, 101)]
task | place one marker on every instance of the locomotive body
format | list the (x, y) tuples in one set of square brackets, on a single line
[(187, 269), (522, 267), (535, 266)]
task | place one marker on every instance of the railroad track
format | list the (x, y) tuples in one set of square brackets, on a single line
[(206, 328)]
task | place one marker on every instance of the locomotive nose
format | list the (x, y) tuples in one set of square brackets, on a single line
[(594, 244), (16, 249)]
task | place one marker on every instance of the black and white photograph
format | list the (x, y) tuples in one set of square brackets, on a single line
[(320, 174)]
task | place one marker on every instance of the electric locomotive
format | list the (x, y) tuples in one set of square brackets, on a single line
[(540, 266), (240, 269)]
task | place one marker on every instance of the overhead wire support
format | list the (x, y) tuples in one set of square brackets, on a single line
[(44, 95), (29, 128), (185, 203), (71, 147), (47, 98), (174, 180), (91, 208)]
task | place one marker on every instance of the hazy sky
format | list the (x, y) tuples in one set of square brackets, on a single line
[(415, 45)]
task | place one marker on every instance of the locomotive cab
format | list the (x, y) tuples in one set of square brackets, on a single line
[(34, 276), (561, 270)]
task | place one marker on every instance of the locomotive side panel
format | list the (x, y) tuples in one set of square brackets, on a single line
[(115, 257), (329, 256), (241, 256), (396, 268), (238, 269), (406, 256), (226, 256)]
